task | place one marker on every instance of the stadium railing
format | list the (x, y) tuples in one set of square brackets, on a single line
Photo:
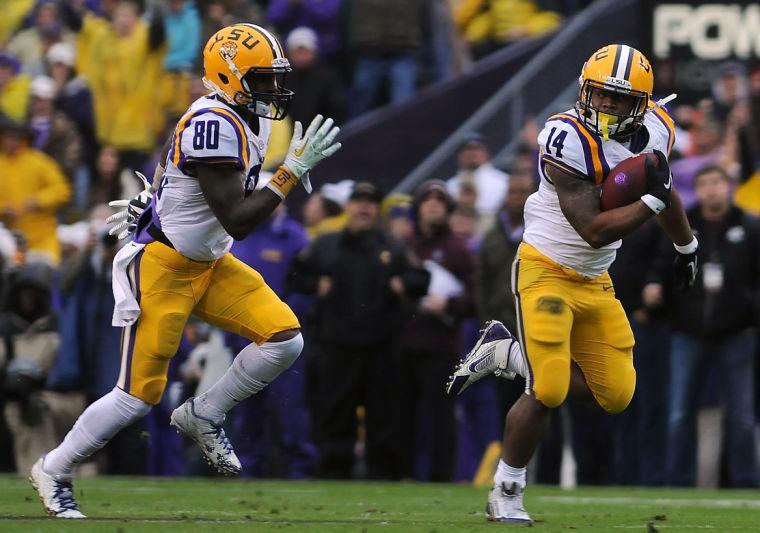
[(538, 89)]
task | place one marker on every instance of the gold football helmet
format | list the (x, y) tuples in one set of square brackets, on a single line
[(621, 69), (245, 65)]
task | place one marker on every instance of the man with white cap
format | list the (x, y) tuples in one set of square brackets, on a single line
[(318, 86), (324, 212), (475, 168), (73, 96), (52, 132)]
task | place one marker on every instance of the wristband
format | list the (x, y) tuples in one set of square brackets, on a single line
[(653, 203), (687, 249), (282, 182)]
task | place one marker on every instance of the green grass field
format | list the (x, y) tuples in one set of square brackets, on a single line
[(153, 504)]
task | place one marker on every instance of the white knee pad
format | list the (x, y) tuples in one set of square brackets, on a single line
[(284, 353)]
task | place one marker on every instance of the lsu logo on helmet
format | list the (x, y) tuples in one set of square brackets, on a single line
[(622, 69), (245, 65)]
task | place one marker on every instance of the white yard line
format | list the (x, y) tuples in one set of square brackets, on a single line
[(687, 527), (674, 502)]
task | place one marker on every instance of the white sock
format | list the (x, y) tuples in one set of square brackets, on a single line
[(92, 430), (252, 370), (516, 360), (509, 474)]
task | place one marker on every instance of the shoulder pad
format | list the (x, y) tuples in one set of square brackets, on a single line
[(211, 135), (662, 129), (565, 143)]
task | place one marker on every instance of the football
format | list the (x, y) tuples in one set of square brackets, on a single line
[(626, 183)]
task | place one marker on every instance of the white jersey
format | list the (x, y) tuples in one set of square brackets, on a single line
[(565, 143), (210, 131)]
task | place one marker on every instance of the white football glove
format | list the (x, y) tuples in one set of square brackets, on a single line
[(307, 150), (125, 222)]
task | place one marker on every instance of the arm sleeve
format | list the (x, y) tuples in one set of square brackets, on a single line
[(562, 146), (209, 137)]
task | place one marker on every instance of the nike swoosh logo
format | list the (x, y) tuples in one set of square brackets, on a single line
[(669, 184), (474, 364), (607, 287)]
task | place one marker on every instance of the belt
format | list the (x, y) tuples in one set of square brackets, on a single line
[(155, 232)]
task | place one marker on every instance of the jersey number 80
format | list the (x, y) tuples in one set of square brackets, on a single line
[(206, 135)]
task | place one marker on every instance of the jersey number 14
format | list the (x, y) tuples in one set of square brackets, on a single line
[(557, 144)]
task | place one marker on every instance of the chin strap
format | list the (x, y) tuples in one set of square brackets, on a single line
[(233, 68), (214, 88)]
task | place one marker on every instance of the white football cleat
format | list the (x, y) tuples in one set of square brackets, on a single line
[(488, 356), (214, 443), (505, 504), (56, 492)]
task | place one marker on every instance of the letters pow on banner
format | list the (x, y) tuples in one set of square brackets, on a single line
[(689, 40)]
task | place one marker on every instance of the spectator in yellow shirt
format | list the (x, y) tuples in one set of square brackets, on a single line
[(14, 88), (33, 189), (489, 25), (122, 58), (14, 12)]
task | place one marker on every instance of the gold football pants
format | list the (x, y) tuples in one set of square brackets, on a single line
[(563, 316), (169, 287)]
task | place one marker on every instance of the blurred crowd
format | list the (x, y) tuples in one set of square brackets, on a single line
[(89, 79), (390, 289)]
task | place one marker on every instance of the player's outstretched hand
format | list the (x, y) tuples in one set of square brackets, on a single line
[(308, 149), (125, 221)]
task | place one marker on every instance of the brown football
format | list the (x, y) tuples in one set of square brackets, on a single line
[(627, 182)]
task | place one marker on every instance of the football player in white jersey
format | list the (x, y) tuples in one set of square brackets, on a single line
[(178, 262), (573, 337)]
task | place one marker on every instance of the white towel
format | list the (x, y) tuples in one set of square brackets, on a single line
[(442, 281), (126, 309)]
